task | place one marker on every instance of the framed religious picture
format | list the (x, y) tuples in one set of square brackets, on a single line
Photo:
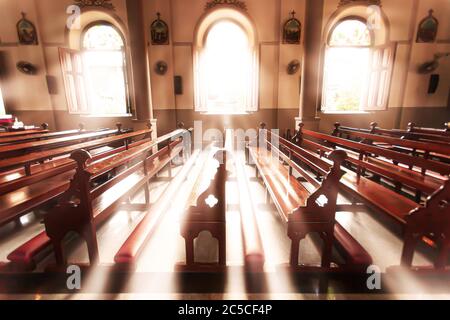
[(428, 29), (292, 31), (159, 32), (26, 32)]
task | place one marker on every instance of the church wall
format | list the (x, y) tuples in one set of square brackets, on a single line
[(29, 97)]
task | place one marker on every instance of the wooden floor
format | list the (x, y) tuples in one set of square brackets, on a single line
[(156, 279)]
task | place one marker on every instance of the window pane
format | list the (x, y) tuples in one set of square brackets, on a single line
[(105, 70), (346, 72), (102, 37), (226, 67), (68, 61), (382, 89), (73, 94), (373, 89), (350, 33)]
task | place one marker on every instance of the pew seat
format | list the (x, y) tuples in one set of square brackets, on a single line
[(106, 197), (297, 204), (19, 202), (23, 200), (378, 196), (428, 221), (24, 257), (290, 195), (127, 256), (9, 176)]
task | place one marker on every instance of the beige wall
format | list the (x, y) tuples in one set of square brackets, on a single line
[(279, 92)]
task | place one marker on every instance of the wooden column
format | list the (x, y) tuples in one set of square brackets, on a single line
[(139, 57), (311, 65)]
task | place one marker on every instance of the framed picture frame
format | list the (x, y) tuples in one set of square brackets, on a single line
[(428, 29), (292, 30), (26, 31), (159, 32)]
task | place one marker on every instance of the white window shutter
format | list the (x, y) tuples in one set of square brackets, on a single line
[(380, 75), (74, 80)]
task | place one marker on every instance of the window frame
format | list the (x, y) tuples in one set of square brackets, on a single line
[(202, 30), (373, 48), (83, 74)]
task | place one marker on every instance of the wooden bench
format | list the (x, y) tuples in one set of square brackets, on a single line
[(423, 175), (127, 257), (8, 151), (27, 193), (10, 134), (94, 204), (385, 200), (33, 167), (412, 127), (427, 150), (304, 211), (410, 134), (207, 214), (254, 256), (46, 135)]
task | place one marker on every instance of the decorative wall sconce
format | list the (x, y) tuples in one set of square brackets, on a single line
[(161, 68), (293, 67)]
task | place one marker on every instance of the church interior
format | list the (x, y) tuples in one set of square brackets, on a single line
[(224, 149)]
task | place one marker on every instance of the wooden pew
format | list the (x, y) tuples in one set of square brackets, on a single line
[(385, 200), (431, 219), (405, 134), (29, 193), (133, 169), (11, 134), (27, 169), (8, 151), (413, 128), (207, 214), (423, 175), (427, 150), (45, 135), (127, 257), (254, 256), (305, 211)]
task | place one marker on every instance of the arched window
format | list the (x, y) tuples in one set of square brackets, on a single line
[(356, 72), (96, 77), (105, 63), (226, 68)]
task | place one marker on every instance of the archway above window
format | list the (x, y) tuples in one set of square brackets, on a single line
[(94, 69), (102, 37), (351, 32), (357, 73), (372, 15), (226, 63)]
